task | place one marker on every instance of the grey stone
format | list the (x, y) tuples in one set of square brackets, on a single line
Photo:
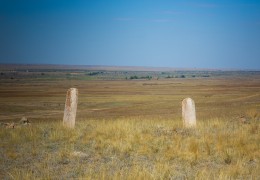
[(24, 121)]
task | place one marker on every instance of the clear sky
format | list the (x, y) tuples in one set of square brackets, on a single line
[(159, 33)]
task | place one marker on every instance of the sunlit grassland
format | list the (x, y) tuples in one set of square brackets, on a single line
[(112, 99), (132, 148), (132, 129)]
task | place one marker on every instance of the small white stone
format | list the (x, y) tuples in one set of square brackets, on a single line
[(79, 154)]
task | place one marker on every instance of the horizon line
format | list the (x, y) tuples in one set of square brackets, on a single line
[(84, 66)]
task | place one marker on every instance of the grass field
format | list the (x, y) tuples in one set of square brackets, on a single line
[(130, 129)]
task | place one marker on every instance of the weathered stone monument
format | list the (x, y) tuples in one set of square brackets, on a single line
[(70, 110), (188, 113)]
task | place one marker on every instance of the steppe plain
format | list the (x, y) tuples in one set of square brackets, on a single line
[(129, 123)]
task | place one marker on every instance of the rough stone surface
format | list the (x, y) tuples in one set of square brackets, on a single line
[(24, 121), (70, 110), (188, 113), (9, 125)]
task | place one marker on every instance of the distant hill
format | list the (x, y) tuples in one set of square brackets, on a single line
[(14, 67)]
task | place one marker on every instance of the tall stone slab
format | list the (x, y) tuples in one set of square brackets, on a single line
[(70, 110), (188, 113)]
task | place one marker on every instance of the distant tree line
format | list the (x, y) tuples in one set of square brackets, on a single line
[(181, 76), (94, 73), (141, 77)]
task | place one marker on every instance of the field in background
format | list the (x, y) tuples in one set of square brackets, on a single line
[(39, 93), (129, 124)]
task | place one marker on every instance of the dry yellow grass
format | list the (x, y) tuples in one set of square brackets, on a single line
[(136, 148), (132, 130), (44, 100)]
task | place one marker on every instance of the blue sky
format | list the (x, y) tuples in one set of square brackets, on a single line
[(159, 33)]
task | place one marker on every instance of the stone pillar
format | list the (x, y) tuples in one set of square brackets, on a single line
[(188, 113), (70, 110)]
